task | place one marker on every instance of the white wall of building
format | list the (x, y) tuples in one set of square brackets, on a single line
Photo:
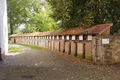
[(3, 27)]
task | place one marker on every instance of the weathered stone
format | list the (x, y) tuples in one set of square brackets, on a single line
[(67, 48), (80, 50), (73, 48), (62, 45), (57, 46), (108, 53)]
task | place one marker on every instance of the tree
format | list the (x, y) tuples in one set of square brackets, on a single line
[(60, 11), (114, 10), (20, 11), (41, 21), (34, 14), (85, 13)]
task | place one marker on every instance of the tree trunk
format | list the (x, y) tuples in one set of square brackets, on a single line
[(11, 29)]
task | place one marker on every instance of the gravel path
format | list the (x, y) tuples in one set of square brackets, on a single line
[(47, 65)]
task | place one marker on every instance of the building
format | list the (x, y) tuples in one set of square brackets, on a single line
[(3, 29)]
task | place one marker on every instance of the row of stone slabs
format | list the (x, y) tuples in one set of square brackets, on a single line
[(89, 37)]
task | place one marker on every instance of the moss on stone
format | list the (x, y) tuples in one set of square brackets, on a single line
[(61, 50), (79, 55), (72, 54), (88, 57)]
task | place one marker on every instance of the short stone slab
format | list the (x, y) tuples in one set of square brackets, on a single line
[(88, 50), (73, 48), (80, 50), (67, 48), (62, 45)]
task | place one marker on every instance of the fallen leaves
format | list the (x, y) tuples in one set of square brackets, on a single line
[(54, 68)]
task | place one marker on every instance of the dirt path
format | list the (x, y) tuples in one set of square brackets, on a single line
[(46, 65)]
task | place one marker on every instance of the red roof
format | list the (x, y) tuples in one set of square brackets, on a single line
[(95, 29)]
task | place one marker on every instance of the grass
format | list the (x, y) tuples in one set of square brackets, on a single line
[(13, 49), (31, 46)]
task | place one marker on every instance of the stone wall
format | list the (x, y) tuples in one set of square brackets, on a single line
[(99, 49), (106, 49)]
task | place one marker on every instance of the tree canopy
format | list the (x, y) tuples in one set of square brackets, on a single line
[(50, 15), (41, 21), (85, 13), (33, 14)]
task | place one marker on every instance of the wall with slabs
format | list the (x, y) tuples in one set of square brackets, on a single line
[(78, 46)]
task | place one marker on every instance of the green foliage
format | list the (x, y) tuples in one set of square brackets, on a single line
[(20, 11), (36, 15), (33, 14), (28, 29), (115, 15), (13, 49), (31, 46), (85, 13), (41, 21)]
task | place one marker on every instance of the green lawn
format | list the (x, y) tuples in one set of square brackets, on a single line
[(32, 46), (13, 49)]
